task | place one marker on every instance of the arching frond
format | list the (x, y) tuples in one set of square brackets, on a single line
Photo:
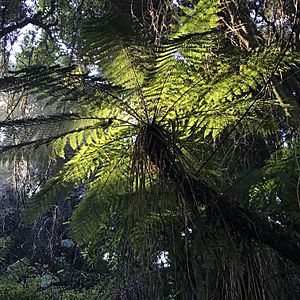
[(98, 155)]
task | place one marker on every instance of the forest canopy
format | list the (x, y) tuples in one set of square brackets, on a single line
[(150, 149)]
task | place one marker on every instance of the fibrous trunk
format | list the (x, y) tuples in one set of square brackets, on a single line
[(195, 192)]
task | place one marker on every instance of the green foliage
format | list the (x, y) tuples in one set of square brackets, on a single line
[(217, 106), (4, 247), (23, 280), (201, 18)]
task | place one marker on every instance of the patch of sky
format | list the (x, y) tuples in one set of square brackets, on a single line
[(31, 4), (107, 256), (186, 231), (63, 47), (2, 135), (163, 259), (16, 46), (257, 19), (277, 199), (179, 56), (93, 71), (284, 137)]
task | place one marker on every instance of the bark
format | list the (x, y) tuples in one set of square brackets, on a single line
[(38, 19), (238, 219), (34, 21), (237, 19)]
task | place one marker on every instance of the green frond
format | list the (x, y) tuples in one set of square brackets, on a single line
[(103, 196), (56, 88), (114, 42), (202, 18), (53, 130), (88, 162)]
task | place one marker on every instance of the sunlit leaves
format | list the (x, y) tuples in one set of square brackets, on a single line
[(202, 18)]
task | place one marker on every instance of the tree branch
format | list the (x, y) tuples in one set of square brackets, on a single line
[(37, 20)]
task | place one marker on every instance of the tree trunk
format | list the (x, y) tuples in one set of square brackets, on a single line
[(238, 219)]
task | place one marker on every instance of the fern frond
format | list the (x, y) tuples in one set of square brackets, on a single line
[(91, 159), (18, 142), (102, 197)]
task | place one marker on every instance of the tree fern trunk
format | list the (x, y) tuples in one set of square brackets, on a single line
[(236, 218)]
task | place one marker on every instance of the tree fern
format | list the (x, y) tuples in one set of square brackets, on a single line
[(151, 105), (132, 99)]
